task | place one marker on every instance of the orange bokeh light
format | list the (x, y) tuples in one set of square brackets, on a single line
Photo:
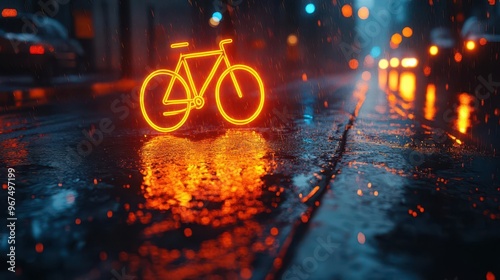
[(189, 87), (396, 38), (470, 45), (394, 62), (347, 10), (363, 13), (458, 57), (292, 40), (353, 64), (407, 32), (213, 22), (383, 64), (433, 50)]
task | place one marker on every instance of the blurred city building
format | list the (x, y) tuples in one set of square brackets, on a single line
[(131, 37), (117, 35)]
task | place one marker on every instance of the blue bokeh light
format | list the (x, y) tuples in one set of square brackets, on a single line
[(310, 8), (217, 15), (376, 52)]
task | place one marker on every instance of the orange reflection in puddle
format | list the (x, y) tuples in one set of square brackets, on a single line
[(38, 93), (180, 174), (401, 93), (14, 151), (407, 86), (464, 111), (207, 192), (430, 100), (382, 79), (393, 80), (25, 97), (392, 100)]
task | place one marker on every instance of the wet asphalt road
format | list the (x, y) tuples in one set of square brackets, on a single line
[(353, 176)]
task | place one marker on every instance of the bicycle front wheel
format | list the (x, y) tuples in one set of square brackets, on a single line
[(165, 100), (239, 100)]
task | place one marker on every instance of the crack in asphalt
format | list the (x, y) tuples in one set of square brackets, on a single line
[(301, 225)]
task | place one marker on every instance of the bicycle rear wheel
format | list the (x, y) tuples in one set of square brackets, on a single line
[(174, 110), (245, 100)]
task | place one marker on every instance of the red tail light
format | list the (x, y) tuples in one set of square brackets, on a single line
[(37, 49), (9, 12)]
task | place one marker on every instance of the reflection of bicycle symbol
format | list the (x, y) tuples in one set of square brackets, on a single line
[(178, 108)]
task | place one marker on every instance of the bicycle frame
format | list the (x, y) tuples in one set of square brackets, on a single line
[(221, 53), (196, 100)]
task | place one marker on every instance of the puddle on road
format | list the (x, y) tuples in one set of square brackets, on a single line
[(464, 111), (204, 200)]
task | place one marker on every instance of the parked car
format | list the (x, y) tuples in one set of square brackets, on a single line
[(37, 45), (444, 55), (474, 51), (481, 46)]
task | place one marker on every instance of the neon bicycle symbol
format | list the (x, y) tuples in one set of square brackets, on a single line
[(197, 101)]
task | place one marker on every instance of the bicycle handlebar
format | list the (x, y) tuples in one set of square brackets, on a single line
[(179, 45)]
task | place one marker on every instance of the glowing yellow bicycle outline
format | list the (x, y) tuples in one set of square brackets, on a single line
[(197, 101)]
